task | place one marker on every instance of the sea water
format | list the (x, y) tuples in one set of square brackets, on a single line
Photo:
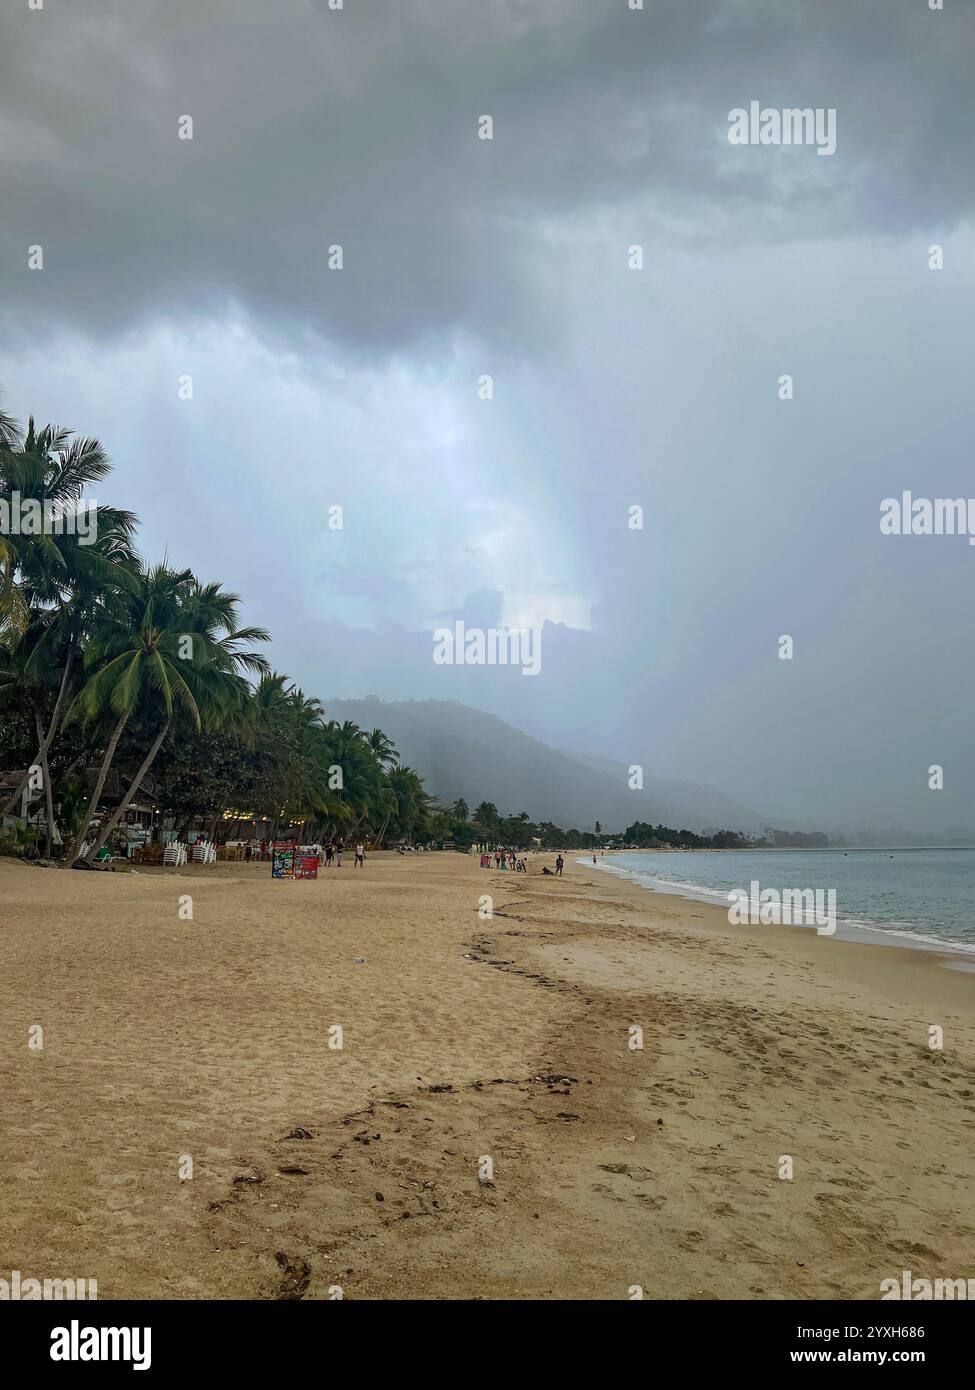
[(907, 897)]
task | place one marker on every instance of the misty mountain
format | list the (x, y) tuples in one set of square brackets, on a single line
[(464, 752)]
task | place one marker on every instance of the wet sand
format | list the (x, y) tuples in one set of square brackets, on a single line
[(486, 1129)]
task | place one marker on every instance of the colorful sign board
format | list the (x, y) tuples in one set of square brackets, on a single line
[(283, 859), (286, 862)]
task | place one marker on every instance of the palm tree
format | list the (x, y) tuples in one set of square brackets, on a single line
[(158, 651), (9, 436), (385, 806), (268, 703), (412, 801), (20, 677), (207, 611), (54, 579), (9, 431), (305, 791), (88, 635), (383, 749), (486, 817)]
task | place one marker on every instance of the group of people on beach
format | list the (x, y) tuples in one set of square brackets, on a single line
[(505, 859), (328, 854), (333, 850)]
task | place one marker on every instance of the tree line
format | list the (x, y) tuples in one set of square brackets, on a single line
[(113, 671), (640, 835)]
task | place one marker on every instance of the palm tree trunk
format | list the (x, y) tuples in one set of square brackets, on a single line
[(49, 810), (43, 744), (90, 809), (130, 795), (48, 794)]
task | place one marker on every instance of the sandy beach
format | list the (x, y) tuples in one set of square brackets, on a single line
[(317, 1168)]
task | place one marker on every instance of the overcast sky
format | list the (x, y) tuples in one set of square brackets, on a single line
[(613, 387)]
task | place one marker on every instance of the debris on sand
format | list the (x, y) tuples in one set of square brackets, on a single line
[(256, 1176), (297, 1276)]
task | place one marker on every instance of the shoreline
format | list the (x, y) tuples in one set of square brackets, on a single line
[(506, 1038), (714, 919), (957, 955)]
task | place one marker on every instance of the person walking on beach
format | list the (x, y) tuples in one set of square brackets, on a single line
[(328, 854), (338, 854), (360, 856), (559, 866)]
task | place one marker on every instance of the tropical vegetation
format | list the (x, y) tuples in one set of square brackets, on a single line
[(117, 675), (113, 672)]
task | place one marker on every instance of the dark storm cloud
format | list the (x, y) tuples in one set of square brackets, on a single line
[(312, 127), (357, 127)]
